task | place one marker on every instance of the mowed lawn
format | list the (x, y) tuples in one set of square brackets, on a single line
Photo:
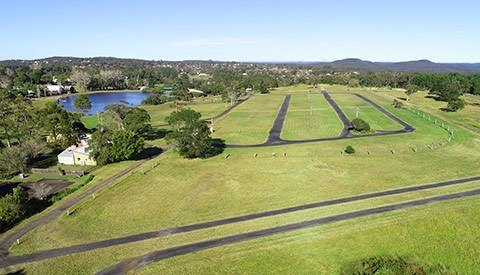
[(349, 103), (310, 116), (250, 123), (443, 233), (208, 107)]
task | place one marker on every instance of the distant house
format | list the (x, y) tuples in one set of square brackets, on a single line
[(59, 89), (77, 155), (194, 91)]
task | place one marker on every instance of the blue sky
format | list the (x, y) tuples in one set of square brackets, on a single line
[(442, 31)]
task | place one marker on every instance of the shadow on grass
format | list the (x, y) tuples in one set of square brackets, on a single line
[(156, 133), (17, 272), (148, 152), (218, 147), (434, 97)]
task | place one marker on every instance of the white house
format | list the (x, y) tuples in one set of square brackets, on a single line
[(59, 89), (76, 155), (195, 91)]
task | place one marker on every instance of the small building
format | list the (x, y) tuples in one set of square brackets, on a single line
[(57, 89), (77, 155), (194, 91)]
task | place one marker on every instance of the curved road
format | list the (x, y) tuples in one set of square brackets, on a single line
[(274, 134), (159, 255), (47, 254)]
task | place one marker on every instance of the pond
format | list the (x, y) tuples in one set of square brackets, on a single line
[(102, 99)]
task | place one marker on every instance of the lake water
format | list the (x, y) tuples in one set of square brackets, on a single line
[(102, 99)]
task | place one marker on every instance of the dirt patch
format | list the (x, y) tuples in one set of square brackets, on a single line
[(39, 189)]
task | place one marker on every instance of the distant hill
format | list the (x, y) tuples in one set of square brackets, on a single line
[(407, 66), (348, 64)]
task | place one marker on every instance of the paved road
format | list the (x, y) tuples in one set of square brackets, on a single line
[(47, 254), (159, 255), (274, 135), (276, 130)]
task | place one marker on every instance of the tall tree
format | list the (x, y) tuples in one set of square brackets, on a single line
[(58, 123), (190, 135), (82, 102), (81, 78)]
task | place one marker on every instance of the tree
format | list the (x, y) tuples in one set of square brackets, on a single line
[(82, 79), (137, 121), (107, 147), (58, 123), (34, 148), (13, 160), (447, 89), (456, 104), (410, 90), (190, 135), (155, 98), (83, 103), (360, 125), (125, 145), (13, 208), (131, 119)]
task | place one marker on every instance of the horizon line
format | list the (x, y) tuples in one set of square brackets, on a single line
[(278, 61)]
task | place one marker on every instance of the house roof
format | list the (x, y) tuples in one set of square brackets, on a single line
[(74, 149), (195, 91)]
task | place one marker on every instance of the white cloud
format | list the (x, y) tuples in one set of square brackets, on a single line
[(210, 42)]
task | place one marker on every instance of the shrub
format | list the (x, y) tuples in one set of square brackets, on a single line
[(397, 104), (69, 190), (13, 208), (456, 104), (155, 98), (350, 150), (393, 265), (360, 125)]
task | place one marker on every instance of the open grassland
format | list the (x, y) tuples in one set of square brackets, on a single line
[(250, 122), (170, 191), (469, 116), (310, 116)]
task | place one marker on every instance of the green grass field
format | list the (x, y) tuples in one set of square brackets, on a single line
[(310, 116), (250, 122), (209, 107), (170, 191), (350, 103)]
